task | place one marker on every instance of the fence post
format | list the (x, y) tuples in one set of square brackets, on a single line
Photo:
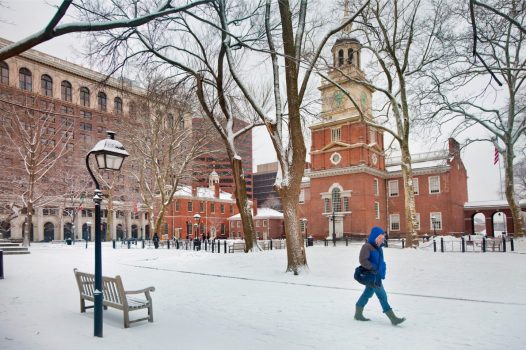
[(168, 243), (224, 245), (434, 245), (218, 246), (512, 245), (483, 244), (346, 241), (271, 244), (113, 241), (504, 244), (442, 244), (463, 244), (403, 243), (1, 264), (206, 246)]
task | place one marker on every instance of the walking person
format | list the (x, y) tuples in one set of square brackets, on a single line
[(372, 259), (156, 240)]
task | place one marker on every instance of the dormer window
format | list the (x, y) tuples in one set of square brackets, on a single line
[(340, 58), (350, 54)]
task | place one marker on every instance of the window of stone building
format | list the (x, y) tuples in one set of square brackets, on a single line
[(87, 213), (350, 53), (46, 84), (86, 114), (377, 210), (85, 126), (190, 206), (202, 207), (66, 91), (222, 208), (84, 96), (66, 110), (434, 184), (177, 205), (4, 73), (394, 222), (213, 207), (376, 190), (117, 105), (340, 57), (257, 223), (102, 101), (25, 79), (346, 206), (393, 188)]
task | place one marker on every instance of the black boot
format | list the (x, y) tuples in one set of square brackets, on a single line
[(394, 320), (358, 315)]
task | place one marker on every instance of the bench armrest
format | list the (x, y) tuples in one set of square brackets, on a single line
[(145, 290)]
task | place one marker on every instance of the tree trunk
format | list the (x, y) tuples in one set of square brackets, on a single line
[(510, 193), (409, 197), (242, 203), (296, 257), (28, 226)]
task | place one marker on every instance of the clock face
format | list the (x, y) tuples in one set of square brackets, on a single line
[(338, 98), (374, 158)]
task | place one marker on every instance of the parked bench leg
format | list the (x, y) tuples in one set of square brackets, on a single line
[(150, 312), (82, 305), (126, 318)]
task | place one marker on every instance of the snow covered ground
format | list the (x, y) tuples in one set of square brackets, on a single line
[(237, 301)]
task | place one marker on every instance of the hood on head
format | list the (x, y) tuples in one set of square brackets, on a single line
[(375, 232)]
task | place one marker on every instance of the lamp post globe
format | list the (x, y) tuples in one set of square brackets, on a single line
[(109, 155)]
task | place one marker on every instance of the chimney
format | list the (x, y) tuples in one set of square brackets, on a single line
[(454, 147), (216, 190), (194, 190)]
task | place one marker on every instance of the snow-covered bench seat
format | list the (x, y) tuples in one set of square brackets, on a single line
[(236, 247), (114, 296)]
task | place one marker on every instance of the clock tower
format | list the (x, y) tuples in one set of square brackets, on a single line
[(347, 156)]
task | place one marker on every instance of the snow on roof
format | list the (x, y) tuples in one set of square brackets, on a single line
[(500, 203), (202, 192), (420, 165), (263, 213)]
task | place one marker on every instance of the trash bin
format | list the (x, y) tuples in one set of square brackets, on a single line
[(68, 241), (310, 241)]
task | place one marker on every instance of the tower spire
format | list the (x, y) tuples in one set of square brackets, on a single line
[(346, 15)]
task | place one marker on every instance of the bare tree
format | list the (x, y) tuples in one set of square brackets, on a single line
[(469, 92), (74, 194), (33, 135), (162, 148)]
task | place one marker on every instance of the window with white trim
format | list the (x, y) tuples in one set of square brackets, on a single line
[(376, 190), (336, 134), (377, 210), (264, 223), (190, 206), (302, 196), (393, 188), (417, 217), (336, 200), (435, 222), (416, 189), (326, 206), (302, 226), (257, 223), (394, 222), (346, 204), (434, 184)]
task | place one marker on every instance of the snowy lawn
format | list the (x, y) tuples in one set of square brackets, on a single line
[(237, 301)]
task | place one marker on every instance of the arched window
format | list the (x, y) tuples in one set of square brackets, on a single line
[(336, 200), (4, 73), (340, 57), (350, 54), (84, 96), (118, 105), (66, 90), (46, 84), (102, 101), (25, 79)]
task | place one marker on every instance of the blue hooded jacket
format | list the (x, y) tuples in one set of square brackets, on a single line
[(376, 256)]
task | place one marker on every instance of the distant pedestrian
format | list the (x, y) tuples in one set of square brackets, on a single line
[(372, 259), (156, 240)]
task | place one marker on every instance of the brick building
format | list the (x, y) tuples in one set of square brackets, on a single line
[(264, 179), (212, 206), (268, 224), (352, 186)]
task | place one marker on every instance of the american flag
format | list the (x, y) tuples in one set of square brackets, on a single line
[(496, 156)]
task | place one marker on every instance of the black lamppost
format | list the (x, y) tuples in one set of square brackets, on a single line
[(333, 218), (197, 219), (109, 155), (304, 221)]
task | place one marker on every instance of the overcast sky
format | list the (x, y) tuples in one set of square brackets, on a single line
[(24, 17)]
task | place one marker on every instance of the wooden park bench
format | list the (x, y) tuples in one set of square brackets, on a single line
[(493, 244), (114, 296), (236, 247)]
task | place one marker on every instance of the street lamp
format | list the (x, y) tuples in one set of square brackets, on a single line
[(304, 221), (333, 218), (109, 155), (197, 219)]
